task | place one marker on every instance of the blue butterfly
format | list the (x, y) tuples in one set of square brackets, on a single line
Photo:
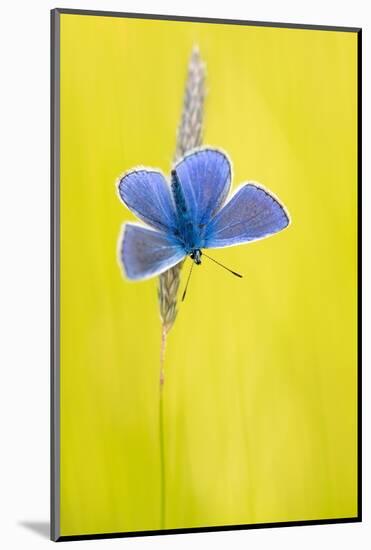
[(191, 214)]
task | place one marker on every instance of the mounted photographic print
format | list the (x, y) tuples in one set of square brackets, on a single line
[(205, 191)]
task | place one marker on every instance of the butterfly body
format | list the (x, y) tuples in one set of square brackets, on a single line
[(187, 231), (191, 213)]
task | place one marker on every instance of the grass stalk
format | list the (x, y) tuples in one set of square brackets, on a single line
[(189, 136), (162, 430)]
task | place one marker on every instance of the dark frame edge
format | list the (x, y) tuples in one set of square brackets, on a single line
[(220, 21), (359, 272), (211, 529), (54, 276)]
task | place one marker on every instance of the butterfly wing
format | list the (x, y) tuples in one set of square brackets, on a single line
[(145, 253), (252, 213), (147, 194), (205, 178)]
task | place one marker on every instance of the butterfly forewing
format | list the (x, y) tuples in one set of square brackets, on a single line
[(147, 194), (205, 177)]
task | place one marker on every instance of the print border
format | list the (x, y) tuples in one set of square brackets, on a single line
[(55, 275)]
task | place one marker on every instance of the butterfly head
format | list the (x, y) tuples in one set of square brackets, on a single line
[(195, 255)]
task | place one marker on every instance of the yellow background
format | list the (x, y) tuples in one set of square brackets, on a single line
[(260, 393)]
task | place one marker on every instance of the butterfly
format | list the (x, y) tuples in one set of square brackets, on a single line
[(191, 214)]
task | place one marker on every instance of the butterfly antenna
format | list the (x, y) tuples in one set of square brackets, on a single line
[(189, 276), (221, 265)]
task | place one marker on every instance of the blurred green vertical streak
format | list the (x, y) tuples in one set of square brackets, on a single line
[(162, 460), (250, 497)]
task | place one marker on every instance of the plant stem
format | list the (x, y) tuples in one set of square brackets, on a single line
[(161, 431), (189, 135)]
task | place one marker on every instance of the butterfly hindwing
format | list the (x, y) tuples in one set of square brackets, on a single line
[(147, 194), (251, 214), (145, 253)]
